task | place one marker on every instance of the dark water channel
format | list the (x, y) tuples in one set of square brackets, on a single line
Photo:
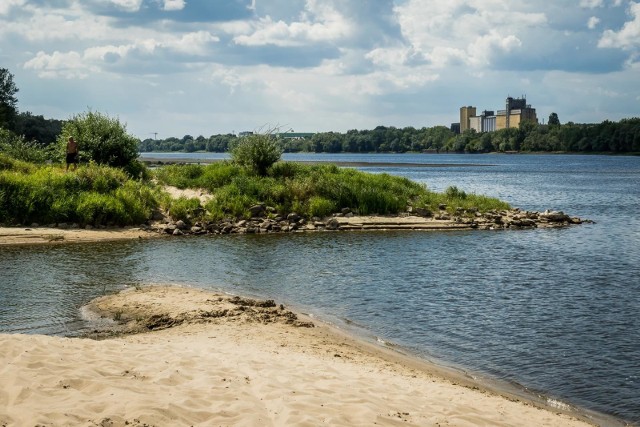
[(556, 311)]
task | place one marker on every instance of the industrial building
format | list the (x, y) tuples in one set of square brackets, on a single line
[(516, 110)]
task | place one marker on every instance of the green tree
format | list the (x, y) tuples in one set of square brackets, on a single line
[(8, 100), (102, 139), (554, 120), (257, 151), (37, 128)]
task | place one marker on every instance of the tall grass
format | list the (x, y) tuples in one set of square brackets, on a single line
[(312, 190), (17, 147), (91, 195)]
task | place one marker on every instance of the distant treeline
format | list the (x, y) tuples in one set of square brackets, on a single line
[(614, 137), (36, 128)]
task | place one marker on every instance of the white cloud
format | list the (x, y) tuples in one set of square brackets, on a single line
[(68, 65), (480, 51), (196, 43), (170, 5), (76, 64), (629, 36), (128, 5), (593, 22), (591, 4), (390, 56), (6, 5), (464, 32), (318, 23)]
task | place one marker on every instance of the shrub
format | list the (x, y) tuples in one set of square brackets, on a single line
[(96, 208), (18, 148), (102, 139), (185, 209), (285, 170), (257, 152), (454, 193), (320, 207), (91, 195)]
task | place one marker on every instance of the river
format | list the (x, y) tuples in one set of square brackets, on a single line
[(555, 311)]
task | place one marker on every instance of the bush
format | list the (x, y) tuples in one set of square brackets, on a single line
[(320, 207), (18, 148), (101, 139), (91, 195), (256, 152), (185, 209)]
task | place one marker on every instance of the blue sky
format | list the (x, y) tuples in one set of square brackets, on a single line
[(203, 67)]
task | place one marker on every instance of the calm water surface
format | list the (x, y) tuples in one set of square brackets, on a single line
[(555, 311)]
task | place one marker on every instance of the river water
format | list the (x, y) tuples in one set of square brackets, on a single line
[(555, 311)]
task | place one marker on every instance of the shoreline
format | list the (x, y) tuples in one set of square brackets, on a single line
[(154, 161), (207, 357), (513, 219), (16, 236)]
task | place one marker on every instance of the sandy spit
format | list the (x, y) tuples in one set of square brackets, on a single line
[(214, 360)]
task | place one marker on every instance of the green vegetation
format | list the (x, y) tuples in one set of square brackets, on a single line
[(102, 139), (310, 191), (94, 194), (606, 137), (8, 100), (18, 148), (257, 152), (102, 195)]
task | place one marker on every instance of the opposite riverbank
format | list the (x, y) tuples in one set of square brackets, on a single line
[(209, 359)]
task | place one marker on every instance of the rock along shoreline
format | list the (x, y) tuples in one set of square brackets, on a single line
[(264, 220)]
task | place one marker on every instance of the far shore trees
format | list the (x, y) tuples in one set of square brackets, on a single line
[(8, 100)]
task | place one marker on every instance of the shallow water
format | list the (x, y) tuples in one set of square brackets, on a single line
[(553, 310)]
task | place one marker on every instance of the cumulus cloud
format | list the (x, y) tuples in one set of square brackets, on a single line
[(7, 5), (464, 32), (351, 62), (591, 4), (629, 35), (170, 5), (75, 64), (319, 22), (67, 65), (127, 5)]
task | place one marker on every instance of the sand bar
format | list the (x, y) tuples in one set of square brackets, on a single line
[(56, 235), (213, 360)]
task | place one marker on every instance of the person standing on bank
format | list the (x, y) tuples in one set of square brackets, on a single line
[(72, 153)]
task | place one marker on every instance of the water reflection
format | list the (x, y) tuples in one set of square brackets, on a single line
[(42, 287)]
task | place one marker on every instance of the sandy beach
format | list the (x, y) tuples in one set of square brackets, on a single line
[(56, 235), (185, 357)]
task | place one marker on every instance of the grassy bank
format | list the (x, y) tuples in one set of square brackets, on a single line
[(102, 195), (92, 195), (308, 190)]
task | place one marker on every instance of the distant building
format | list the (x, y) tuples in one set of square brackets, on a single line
[(488, 119), (475, 123), (244, 133), (516, 110), (296, 135), (455, 128), (465, 114)]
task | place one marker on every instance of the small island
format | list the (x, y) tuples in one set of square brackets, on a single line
[(254, 192)]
